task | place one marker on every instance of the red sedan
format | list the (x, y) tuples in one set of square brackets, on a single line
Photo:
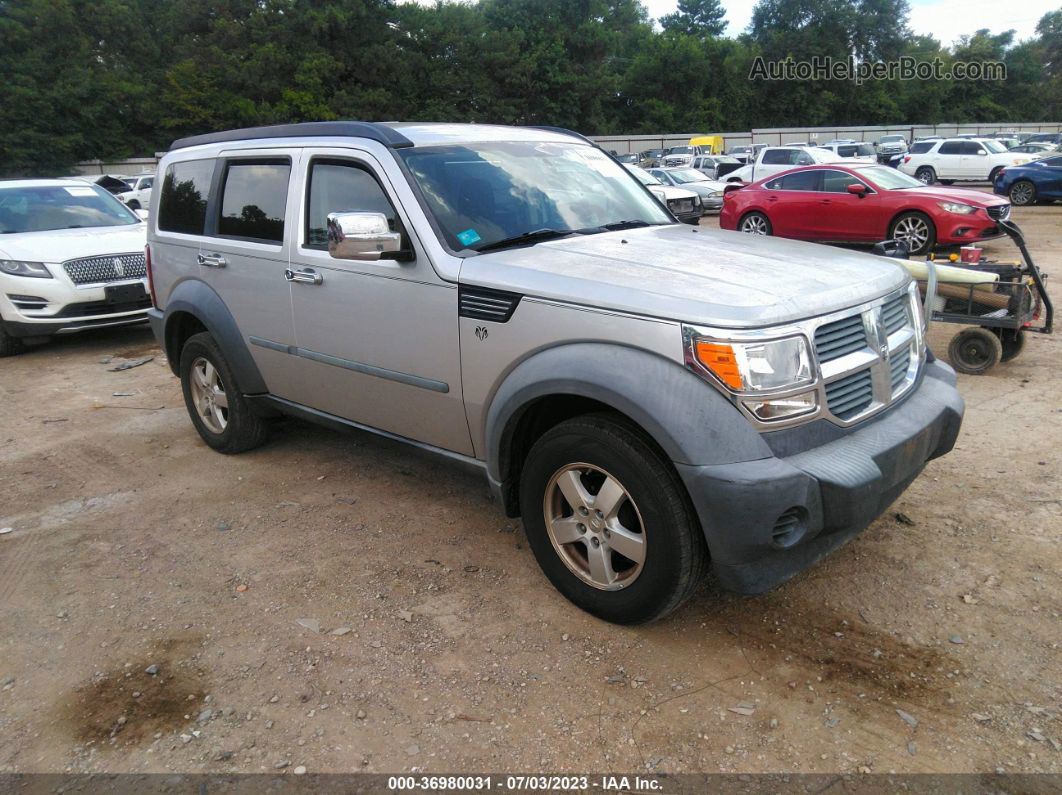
[(862, 204)]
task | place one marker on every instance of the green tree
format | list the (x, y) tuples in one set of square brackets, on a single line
[(700, 18)]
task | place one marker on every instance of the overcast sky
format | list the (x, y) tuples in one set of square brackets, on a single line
[(944, 19)]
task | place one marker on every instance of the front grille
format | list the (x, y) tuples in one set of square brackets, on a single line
[(109, 268), (839, 338), (90, 308), (894, 314), (898, 365), (681, 206), (999, 212), (850, 395)]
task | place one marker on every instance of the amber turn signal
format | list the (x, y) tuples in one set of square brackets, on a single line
[(720, 359)]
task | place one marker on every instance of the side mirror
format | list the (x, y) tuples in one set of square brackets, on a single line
[(363, 236), (858, 190), (982, 153)]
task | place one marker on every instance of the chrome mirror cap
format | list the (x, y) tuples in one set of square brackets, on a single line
[(361, 236)]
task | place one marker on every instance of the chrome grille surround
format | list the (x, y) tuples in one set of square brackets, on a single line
[(892, 355), (999, 212), (106, 268)]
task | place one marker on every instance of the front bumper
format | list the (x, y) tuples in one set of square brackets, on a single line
[(46, 307), (769, 519)]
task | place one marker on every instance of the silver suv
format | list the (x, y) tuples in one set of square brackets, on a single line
[(652, 398)]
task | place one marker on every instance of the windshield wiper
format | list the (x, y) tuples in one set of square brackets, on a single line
[(632, 224), (528, 238)]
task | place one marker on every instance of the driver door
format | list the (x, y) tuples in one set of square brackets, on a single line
[(376, 341)]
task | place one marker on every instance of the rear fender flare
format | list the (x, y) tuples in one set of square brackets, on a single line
[(198, 299)]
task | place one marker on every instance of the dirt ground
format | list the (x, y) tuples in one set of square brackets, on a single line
[(928, 644)]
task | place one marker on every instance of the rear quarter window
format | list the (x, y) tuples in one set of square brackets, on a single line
[(183, 199), (921, 147)]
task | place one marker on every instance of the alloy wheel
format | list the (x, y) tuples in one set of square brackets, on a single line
[(1021, 193), (208, 395), (594, 526), (914, 231), (754, 225)]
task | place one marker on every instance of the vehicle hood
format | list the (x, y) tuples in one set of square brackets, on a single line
[(62, 244), (692, 274), (968, 196), (671, 192), (705, 187)]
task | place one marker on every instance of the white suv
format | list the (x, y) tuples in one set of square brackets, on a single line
[(138, 197), (71, 258), (955, 159)]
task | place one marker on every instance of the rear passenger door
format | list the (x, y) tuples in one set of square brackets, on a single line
[(244, 254), (377, 341), (793, 205), (948, 160), (844, 215)]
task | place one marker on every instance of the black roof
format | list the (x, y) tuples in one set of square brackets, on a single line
[(330, 129)]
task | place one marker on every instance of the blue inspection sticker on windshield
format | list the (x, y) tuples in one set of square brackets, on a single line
[(468, 237)]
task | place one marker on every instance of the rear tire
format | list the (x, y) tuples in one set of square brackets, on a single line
[(755, 223), (1022, 193), (916, 229), (133, 204), (975, 351), (947, 182), (9, 346), (926, 175), (219, 411), (564, 478)]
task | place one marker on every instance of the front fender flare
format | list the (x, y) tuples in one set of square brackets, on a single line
[(688, 418)]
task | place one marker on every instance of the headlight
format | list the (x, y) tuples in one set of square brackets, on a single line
[(697, 200), (756, 366), (961, 209), (17, 267), (715, 194)]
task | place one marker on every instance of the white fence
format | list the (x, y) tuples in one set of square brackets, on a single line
[(624, 144)]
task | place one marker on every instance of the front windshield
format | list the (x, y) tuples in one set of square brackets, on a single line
[(687, 175), (484, 193), (889, 178), (891, 139), (45, 208), (994, 146), (679, 150)]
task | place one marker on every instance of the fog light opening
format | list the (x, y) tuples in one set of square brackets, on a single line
[(789, 528)]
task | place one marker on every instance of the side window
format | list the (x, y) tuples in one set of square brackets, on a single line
[(802, 180), (972, 148), (253, 199), (774, 184), (921, 147), (950, 148), (838, 181), (801, 158), (183, 200), (146, 183), (341, 186), (776, 157)]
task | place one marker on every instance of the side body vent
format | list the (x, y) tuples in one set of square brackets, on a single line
[(481, 303)]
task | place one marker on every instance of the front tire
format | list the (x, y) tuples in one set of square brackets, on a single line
[(755, 224), (9, 346), (219, 411), (916, 229), (926, 175), (133, 204), (609, 522), (1022, 193), (975, 351)]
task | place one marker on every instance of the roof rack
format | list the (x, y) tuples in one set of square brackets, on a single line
[(331, 129)]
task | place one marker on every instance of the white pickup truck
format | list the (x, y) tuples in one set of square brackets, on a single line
[(776, 159)]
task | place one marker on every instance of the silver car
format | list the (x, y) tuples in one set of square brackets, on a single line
[(710, 191), (652, 398)]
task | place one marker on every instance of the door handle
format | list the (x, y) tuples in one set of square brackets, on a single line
[(212, 260), (826, 201), (303, 276)]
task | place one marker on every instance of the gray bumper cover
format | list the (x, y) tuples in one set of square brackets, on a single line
[(836, 489)]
